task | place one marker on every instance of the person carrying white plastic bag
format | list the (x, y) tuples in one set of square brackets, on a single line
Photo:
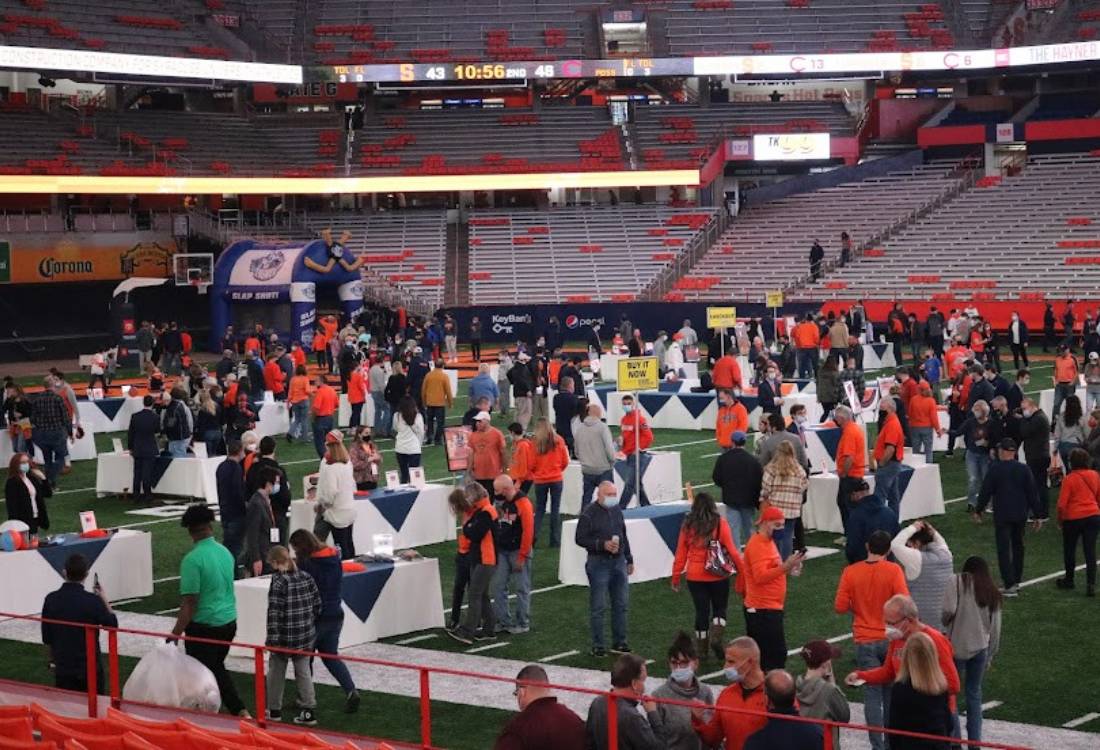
[(168, 677)]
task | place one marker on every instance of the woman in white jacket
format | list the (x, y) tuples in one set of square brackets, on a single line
[(336, 496), (408, 426)]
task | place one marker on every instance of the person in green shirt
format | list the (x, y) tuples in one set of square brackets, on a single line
[(208, 607)]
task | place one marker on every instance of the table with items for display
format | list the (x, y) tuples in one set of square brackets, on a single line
[(661, 477), (919, 486), (653, 532), (179, 477)]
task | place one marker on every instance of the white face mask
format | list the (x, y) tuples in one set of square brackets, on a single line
[(800, 419), (25, 468), (1029, 412), (894, 634)]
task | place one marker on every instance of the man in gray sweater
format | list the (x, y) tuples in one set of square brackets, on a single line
[(595, 450), (628, 676), (777, 433), (924, 556)]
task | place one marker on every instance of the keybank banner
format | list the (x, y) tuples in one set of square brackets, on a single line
[(511, 323), (43, 259)]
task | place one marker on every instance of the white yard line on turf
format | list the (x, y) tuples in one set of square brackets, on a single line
[(555, 587), (66, 492), (1092, 715), (168, 611), (124, 602), (416, 639), (487, 647), (555, 657), (166, 580), (990, 705)]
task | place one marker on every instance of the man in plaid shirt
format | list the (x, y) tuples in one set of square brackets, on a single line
[(51, 426), (293, 605)]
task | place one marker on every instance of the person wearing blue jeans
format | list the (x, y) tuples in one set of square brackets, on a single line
[(876, 698), (922, 442), (632, 465), (514, 570), (299, 418), (321, 427), (54, 447), (601, 531), (551, 490), (886, 484), (977, 465), (178, 448), (740, 519), (383, 417), (514, 540), (589, 483)]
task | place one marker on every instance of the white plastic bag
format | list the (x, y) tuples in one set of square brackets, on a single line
[(166, 676)]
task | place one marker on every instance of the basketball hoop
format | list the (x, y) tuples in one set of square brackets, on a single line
[(198, 286)]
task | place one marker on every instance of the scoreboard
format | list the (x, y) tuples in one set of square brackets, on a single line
[(513, 71)]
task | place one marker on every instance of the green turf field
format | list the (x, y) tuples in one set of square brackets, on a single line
[(1050, 638)]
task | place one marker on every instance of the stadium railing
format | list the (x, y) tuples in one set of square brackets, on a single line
[(114, 687)]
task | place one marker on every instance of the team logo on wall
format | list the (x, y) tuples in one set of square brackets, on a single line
[(266, 267), (336, 252), (148, 257)]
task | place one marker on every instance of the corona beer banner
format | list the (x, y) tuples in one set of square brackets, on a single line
[(44, 259)]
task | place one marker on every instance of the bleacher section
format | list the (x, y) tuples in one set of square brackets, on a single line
[(408, 248), (131, 26), (768, 247), (1035, 232), (681, 135), (36, 143), (726, 27), (576, 254)]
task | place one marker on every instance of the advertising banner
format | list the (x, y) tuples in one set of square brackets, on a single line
[(44, 259)]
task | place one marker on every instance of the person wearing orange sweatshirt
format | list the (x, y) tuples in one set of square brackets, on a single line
[(710, 592), (357, 395), (766, 588), (549, 461), (461, 510), (274, 377), (924, 420), (726, 372), (515, 539), (479, 625), (522, 458), (806, 337), (298, 398), (864, 589), (745, 693), (320, 350), (636, 438), (325, 402), (1079, 517), (732, 417)]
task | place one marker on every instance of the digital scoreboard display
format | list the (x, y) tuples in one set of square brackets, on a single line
[(483, 72)]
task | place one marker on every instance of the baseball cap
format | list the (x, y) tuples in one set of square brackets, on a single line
[(739, 437), (816, 653), (483, 415), (771, 513), (1007, 444), (861, 486), (334, 436)]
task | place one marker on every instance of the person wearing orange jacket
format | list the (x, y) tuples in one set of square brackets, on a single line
[(461, 510), (710, 593), (515, 539), (924, 420), (297, 354), (636, 438), (851, 459), (744, 693), (806, 337), (726, 372), (1079, 518), (320, 349), (765, 584), (325, 402), (732, 417), (888, 455), (550, 459), (298, 398), (357, 395), (275, 378), (479, 623), (522, 459)]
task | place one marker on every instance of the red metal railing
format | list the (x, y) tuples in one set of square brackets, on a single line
[(91, 635)]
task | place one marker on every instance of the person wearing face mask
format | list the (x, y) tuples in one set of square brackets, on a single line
[(745, 692), (635, 731), (1033, 428), (682, 685), (902, 621), (1017, 340), (732, 417), (1018, 390), (260, 531), (25, 493), (980, 436), (542, 722), (515, 537), (775, 431), (366, 460), (636, 438), (601, 531), (280, 498), (888, 454), (817, 691), (765, 582), (335, 506), (769, 391)]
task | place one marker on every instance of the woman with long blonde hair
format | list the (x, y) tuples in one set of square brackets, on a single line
[(336, 496), (919, 700), (783, 486), (548, 468)]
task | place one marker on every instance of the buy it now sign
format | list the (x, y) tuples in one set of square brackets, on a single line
[(5, 262)]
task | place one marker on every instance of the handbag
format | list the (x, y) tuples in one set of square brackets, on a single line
[(718, 561)]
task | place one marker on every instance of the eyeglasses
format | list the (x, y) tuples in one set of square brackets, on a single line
[(515, 693)]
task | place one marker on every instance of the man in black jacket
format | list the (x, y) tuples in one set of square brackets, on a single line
[(71, 603), (141, 441), (601, 530), (817, 254), (1033, 427), (1011, 489), (1017, 340), (280, 501), (229, 478), (628, 678), (739, 475)]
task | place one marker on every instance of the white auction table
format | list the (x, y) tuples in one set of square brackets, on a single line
[(652, 532), (821, 444), (274, 418), (387, 599), (1046, 400), (662, 480), (180, 477), (921, 497), (414, 517), (108, 414), (683, 410), (123, 562), (878, 356), (82, 449)]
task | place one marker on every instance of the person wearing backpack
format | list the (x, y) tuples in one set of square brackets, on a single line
[(704, 552)]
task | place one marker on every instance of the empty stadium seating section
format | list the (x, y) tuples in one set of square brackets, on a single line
[(576, 254), (768, 246), (1006, 237)]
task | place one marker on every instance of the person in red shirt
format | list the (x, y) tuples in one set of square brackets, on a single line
[(726, 373), (745, 692), (297, 354), (542, 722), (765, 584), (851, 459), (254, 345), (806, 336), (709, 592), (515, 539), (909, 386), (487, 451), (275, 378), (899, 614), (357, 395), (325, 402), (888, 454), (732, 417), (924, 420), (320, 349), (636, 438)]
